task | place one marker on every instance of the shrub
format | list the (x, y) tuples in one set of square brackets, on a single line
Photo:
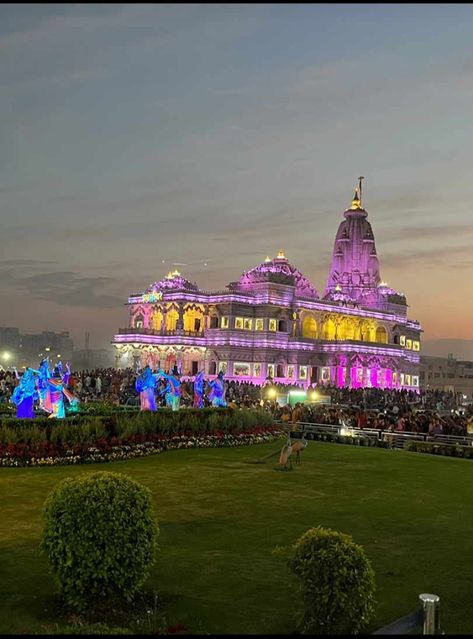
[(337, 582), (100, 536)]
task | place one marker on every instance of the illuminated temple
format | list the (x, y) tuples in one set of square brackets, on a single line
[(273, 323)]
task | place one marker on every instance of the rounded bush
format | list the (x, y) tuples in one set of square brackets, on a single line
[(100, 536), (338, 583)]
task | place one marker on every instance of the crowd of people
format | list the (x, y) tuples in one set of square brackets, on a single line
[(399, 410)]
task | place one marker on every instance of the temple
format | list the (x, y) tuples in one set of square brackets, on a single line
[(273, 323)]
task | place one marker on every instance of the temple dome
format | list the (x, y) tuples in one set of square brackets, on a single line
[(277, 270), (172, 281)]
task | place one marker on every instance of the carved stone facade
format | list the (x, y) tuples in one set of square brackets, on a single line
[(272, 323)]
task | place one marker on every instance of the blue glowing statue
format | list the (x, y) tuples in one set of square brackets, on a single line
[(44, 390), (172, 390), (217, 391), (25, 394), (57, 384), (146, 386), (199, 390)]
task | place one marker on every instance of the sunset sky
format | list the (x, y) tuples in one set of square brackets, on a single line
[(218, 134)]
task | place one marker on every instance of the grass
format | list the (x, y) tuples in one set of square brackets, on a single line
[(220, 518)]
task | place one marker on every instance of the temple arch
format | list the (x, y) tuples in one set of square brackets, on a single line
[(381, 335), (172, 317), (329, 329), (309, 327), (157, 319)]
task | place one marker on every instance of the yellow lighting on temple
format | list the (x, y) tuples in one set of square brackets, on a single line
[(338, 287), (268, 259), (175, 273), (281, 253)]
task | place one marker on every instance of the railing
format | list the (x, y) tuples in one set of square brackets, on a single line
[(153, 331), (426, 618), (382, 435)]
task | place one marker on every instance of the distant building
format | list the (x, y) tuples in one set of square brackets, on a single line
[(273, 323), (27, 350), (447, 374), (90, 359)]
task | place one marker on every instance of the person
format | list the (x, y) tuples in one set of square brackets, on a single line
[(146, 385), (25, 394), (217, 391), (172, 391), (199, 390)]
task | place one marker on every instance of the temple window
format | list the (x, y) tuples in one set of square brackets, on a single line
[(415, 380), (247, 324), (195, 367), (224, 323), (156, 320), (259, 324), (171, 320), (238, 322), (381, 335), (193, 320), (213, 368), (290, 371), (302, 372), (222, 367), (416, 346), (280, 370), (309, 327), (407, 379), (402, 340), (241, 369), (257, 370), (282, 326), (408, 343), (270, 370), (139, 321), (329, 329), (273, 325)]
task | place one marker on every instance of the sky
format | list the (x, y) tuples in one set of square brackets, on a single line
[(137, 137)]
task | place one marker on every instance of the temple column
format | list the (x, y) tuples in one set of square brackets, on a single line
[(374, 377), (180, 319), (165, 319)]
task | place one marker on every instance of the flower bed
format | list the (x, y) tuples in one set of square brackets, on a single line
[(115, 450), (87, 439)]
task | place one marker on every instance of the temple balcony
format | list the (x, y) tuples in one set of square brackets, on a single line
[(152, 331)]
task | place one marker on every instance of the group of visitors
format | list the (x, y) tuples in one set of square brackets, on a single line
[(387, 409)]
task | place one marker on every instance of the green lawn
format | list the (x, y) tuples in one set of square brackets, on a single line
[(220, 519)]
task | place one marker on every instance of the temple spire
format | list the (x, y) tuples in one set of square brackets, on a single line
[(360, 179)]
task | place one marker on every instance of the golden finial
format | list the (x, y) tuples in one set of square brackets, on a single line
[(338, 288), (169, 276), (175, 273), (281, 254), (356, 202), (268, 259)]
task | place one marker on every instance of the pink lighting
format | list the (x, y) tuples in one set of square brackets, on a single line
[(283, 324)]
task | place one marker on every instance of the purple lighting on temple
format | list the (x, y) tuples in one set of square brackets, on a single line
[(271, 322)]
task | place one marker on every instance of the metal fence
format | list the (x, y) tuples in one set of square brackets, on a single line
[(396, 438), (426, 618)]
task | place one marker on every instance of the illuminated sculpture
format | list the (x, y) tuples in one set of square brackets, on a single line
[(25, 394), (58, 390), (44, 391), (217, 391), (199, 390), (146, 386), (172, 390)]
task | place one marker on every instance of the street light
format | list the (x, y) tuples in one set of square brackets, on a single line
[(6, 356)]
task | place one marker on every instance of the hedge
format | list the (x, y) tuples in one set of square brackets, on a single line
[(343, 439), (447, 450)]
